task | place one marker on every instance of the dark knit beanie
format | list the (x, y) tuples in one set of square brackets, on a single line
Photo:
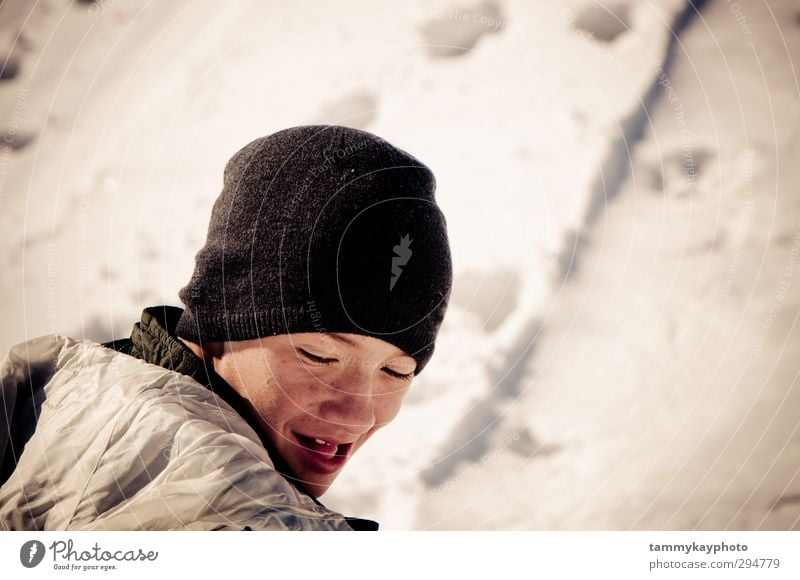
[(322, 229)]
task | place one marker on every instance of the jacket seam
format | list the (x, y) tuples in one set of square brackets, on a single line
[(94, 471)]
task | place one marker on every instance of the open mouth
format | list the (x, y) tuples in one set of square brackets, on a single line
[(328, 450)]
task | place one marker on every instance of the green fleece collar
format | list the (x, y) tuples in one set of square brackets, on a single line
[(154, 341)]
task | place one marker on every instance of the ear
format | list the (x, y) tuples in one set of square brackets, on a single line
[(213, 350), (208, 352)]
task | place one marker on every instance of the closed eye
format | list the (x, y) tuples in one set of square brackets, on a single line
[(315, 358), (395, 374)]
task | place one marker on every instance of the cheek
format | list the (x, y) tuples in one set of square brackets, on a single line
[(266, 399), (388, 406), (385, 412), (290, 394), (251, 378)]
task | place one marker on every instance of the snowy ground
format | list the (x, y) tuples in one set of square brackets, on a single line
[(621, 350)]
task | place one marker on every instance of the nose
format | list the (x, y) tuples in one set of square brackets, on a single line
[(350, 400)]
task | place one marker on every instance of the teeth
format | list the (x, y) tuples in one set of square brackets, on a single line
[(321, 442)]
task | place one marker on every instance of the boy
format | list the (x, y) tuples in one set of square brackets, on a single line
[(314, 303)]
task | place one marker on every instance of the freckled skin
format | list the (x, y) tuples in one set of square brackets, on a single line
[(344, 398)]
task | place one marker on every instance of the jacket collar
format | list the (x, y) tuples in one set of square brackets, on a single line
[(155, 342)]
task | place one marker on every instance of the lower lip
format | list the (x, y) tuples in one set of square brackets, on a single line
[(319, 462)]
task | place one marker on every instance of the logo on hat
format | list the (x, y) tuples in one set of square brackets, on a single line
[(31, 553), (402, 255)]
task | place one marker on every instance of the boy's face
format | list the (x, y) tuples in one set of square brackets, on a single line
[(319, 396)]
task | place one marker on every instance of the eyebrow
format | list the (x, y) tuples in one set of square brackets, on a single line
[(342, 338)]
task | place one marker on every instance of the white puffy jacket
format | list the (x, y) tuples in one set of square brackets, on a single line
[(93, 439)]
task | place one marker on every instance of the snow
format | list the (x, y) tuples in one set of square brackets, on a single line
[(620, 349)]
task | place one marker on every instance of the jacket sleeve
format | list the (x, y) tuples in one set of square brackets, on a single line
[(24, 372)]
